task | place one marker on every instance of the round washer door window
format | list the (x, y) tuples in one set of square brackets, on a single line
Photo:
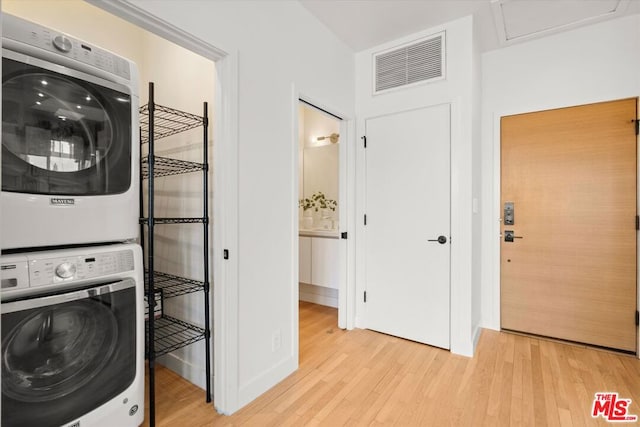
[(56, 350)]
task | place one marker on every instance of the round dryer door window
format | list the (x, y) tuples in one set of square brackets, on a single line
[(62, 127), (57, 350), (63, 133)]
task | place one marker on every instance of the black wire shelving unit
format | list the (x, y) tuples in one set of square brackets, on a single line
[(166, 334), (172, 334)]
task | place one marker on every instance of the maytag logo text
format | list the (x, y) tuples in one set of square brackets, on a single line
[(62, 201)]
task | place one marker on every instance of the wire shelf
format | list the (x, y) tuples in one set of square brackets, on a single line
[(173, 286), (172, 334), (168, 333), (165, 166), (167, 122), (173, 220)]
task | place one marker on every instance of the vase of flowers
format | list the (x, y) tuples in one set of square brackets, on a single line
[(307, 206), (317, 208), (323, 204)]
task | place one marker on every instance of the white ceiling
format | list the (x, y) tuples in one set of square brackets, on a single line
[(363, 24)]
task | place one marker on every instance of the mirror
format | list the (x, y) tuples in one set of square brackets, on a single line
[(319, 151)]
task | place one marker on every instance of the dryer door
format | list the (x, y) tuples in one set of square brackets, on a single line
[(62, 133), (65, 355)]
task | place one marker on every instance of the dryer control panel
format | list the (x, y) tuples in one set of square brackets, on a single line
[(20, 272), (26, 32)]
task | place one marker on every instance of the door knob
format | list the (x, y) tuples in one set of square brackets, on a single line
[(441, 239)]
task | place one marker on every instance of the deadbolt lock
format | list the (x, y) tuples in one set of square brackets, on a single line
[(509, 213)]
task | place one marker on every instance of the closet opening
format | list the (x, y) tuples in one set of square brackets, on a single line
[(157, 49)]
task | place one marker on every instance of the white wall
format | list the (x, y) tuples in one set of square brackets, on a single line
[(591, 64), (457, 91), (281, 50), (183, 80)]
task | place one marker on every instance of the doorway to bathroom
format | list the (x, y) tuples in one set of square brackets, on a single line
[(319, 206)]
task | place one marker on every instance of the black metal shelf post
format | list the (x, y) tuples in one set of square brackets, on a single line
[(166, 334), (151, 295), (205, 243)]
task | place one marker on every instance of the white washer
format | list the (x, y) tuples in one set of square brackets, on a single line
[(70, 152), (73, 337)]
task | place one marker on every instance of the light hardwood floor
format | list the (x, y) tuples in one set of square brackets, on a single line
[(362, 377)]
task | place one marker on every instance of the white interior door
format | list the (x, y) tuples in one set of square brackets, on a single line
[(407, 210)]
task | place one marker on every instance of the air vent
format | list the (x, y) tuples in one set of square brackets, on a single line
[(415, 62)]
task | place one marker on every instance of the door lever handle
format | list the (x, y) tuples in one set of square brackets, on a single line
[(509, 235), (441, 239)]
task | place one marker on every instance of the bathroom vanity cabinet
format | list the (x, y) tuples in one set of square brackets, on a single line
[(304, 259), (318, 259)]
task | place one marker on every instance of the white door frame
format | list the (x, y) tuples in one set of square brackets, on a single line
[(346, 197), (464, 332), (225, 206)]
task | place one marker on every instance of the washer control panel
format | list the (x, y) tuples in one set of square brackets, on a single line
[(66, 270), (32, 34), (14, 272), (43, 272), (19, 272)]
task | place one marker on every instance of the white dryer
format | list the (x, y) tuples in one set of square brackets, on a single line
[(73, 337), (70, 152)]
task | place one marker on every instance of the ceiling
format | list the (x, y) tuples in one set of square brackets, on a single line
[(363, 24)]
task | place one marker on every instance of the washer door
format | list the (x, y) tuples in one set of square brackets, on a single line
[(62, 358)]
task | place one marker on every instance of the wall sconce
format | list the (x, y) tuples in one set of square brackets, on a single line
[(333, 138)]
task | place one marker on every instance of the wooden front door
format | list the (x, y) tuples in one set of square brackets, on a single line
[(570, 271)]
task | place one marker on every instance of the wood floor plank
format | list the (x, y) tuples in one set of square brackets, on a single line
[(517, 387), (364, 378)]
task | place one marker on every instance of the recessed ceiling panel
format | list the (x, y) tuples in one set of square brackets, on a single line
[(521, 19), (364, 24)]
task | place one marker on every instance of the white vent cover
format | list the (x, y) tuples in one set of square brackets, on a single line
[(415, 62)]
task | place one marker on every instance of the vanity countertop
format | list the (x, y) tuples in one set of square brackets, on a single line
[(319, 232)]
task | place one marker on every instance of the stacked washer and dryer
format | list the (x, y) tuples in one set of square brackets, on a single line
[(72, 274)]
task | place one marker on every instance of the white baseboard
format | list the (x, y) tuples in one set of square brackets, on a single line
[(263, 382), (318, 295), (193, 373), (476, 338)]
